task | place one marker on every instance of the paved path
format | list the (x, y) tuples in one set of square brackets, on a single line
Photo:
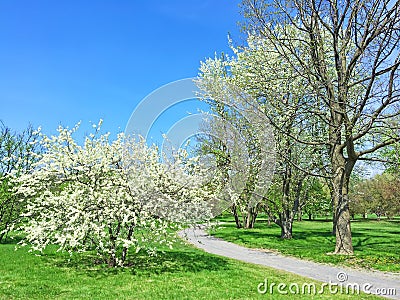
[(374, 282)]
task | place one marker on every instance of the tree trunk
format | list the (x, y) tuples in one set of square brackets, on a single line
[(286, 224), (299, 215), (112, 261), (334, 221), (2, 236), (286, 231), (343, 229), (236, 216), (125, 249), (343, 168), (268, 212), (250, 219)]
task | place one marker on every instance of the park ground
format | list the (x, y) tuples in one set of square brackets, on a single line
[(185, 272)]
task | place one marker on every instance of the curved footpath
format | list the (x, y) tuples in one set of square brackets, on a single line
[(380, 283)]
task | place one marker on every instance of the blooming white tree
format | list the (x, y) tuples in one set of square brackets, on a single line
[(274, 94), (109, 196), (314, 64), (240, 141)]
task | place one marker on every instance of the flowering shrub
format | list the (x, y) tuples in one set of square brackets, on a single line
[(109, 196)]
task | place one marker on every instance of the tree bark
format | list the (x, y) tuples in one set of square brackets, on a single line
[(250, 219), (236, 216), (343, 168), (286, 228)]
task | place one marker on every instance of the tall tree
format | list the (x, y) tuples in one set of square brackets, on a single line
[(241, 144), (347, 53), (252, 73)]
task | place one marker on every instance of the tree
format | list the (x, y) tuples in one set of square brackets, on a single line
[(347, 53), (109, 196), (316, 198), (288, 193), (253, 73), (379, 195), (241, 143), (18, 151), (358, 187)]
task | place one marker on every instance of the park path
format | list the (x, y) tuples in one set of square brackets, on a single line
[(379, 283)]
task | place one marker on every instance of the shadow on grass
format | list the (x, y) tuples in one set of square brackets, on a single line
[(172, 261), (394, 221), (313, 233), (168, 261), (14, 239), (182, 258)]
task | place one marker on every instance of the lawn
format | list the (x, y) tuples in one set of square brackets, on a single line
[(181, 273), (376, 243)]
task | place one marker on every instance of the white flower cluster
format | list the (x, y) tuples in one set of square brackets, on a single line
[(109, 196)]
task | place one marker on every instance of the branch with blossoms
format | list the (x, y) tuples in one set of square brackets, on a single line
[(109, 196)]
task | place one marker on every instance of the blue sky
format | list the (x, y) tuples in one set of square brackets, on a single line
[(66, 61)]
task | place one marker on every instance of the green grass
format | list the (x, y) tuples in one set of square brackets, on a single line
[(376, 243), (181, 273)]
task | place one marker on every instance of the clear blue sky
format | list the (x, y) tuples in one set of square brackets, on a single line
[(65, 61)]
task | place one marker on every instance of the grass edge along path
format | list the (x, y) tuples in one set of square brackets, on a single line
[(379, 284), (375, 242)]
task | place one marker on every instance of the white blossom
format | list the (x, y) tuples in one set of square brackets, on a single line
[(109, 196)]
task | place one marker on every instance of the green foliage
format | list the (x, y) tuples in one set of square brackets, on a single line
[(379, 195), (392, 155), (317, 200), (10, 208), (17, 153)]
